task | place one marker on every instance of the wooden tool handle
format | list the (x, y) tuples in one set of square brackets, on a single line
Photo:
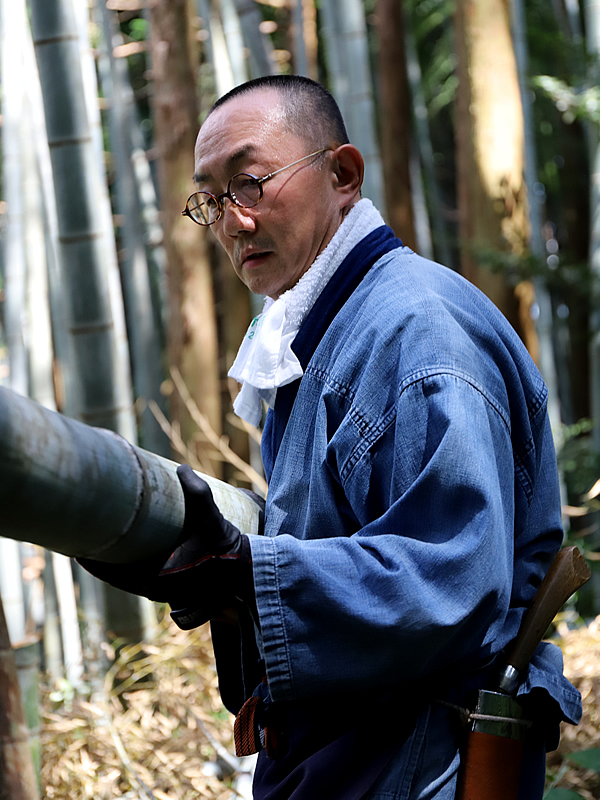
[(567, 573)]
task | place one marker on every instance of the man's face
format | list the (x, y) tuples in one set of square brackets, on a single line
[(273, 244)]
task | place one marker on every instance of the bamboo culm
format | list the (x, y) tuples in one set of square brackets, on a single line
[(86, 491), (101, 369)]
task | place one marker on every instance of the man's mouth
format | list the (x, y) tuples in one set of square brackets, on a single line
[(255, 259)]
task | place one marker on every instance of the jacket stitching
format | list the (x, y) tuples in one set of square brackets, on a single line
[(377, 430)]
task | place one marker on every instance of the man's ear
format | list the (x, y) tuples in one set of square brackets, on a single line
[(348, 168)]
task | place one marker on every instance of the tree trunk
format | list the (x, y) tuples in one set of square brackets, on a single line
[(17, 774), (395, 116), (192, 339), (491, 191), (233, 317)]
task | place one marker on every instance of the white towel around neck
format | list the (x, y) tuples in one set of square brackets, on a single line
[(265, 359)]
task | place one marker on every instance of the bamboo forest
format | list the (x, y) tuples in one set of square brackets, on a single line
[(479, 124)]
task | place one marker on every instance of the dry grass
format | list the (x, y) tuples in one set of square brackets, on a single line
[(152, 731), (581, 650)]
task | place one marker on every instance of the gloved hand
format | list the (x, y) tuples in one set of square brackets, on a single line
[(203, 575)]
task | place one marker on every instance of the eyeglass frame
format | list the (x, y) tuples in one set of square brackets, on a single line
[(259, 181)]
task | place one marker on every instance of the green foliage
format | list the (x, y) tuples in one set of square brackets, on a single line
[(579, 463), (135, 28), (573, 102), (589, 759), (552, 48), (138, 29), (434, 38), (515, 267)]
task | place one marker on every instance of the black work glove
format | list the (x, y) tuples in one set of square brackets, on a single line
[(204, 574)]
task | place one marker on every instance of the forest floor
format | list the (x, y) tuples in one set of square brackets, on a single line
[(155, 729), (581, 651)]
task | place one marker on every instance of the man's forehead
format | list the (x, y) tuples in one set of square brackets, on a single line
[(241, 128)]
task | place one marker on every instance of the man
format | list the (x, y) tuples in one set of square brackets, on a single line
[(413, 502)]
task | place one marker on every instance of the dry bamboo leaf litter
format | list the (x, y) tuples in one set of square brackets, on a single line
[(162, 704), (139, 737), (581, 652)]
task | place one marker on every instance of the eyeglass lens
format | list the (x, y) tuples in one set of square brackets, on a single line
[(244, 190)]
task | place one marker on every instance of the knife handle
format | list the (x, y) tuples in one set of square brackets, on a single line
[(567, 573)]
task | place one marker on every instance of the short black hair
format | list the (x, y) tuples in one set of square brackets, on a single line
[(310, 111)]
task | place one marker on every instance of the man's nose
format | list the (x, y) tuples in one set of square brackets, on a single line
[(237, 220)]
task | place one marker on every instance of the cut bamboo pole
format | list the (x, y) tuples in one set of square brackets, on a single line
[(85, 491)]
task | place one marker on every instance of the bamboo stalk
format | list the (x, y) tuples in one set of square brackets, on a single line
[(544, 322), (258, 43), (63, 356), (345, 32), (142, 325), (592, 24), (11, 587), (423, 142), (71, 636), (13, 92), (17, 774), (103, 392), (235, 43)]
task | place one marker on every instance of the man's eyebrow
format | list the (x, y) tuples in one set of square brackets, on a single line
[(235, 158)]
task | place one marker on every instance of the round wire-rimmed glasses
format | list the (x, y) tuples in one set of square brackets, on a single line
[(245, 190)]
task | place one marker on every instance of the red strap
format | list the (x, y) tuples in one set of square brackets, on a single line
[(245, 729)]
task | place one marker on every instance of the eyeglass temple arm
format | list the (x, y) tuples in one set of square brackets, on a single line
[(293, 164)]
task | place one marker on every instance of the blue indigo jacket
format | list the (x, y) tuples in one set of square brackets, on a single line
[(413, 503)]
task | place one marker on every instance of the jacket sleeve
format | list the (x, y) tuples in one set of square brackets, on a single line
[(424, 585)]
